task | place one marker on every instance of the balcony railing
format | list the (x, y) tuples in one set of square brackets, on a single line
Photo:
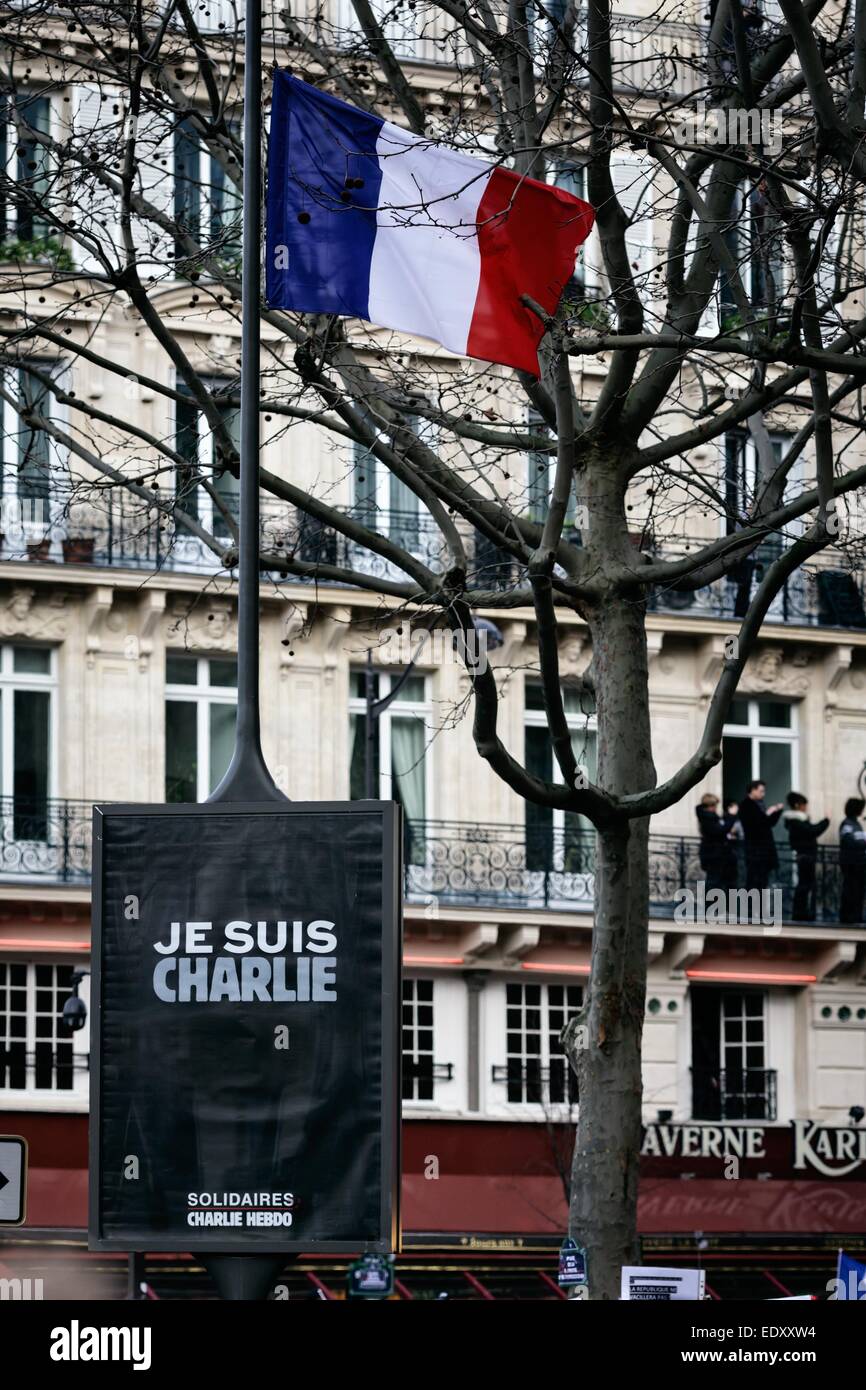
[(733, 1093), (117, 529), (828, 591), (45, 839), (461, 863), (554, 868)]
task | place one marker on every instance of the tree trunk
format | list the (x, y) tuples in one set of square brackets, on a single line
[(606, 1049)]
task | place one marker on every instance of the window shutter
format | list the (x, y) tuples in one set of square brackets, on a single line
[(96, 118), (631, 173), (154, 182), (708, 325)]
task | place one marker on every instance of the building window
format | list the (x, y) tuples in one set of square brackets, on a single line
[(730, 1077), (36, 1053), (572, 179), (537, 1070), (741, 483), (384, 501), (26, 475), (200, 719), (760, 742), (541, 471), (27, 738), (417, 1039), (207, 204), (398, 753), (755, 237), (556, 839), (194, 441), (26, 165)]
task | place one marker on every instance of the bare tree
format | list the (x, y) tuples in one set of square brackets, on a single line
[(722, 293)]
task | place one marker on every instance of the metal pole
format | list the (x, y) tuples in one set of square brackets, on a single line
[(248, 778)]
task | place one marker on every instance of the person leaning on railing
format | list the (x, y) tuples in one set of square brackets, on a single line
[(852, 861)]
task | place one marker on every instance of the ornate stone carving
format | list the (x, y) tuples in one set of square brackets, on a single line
[(765, 673), (209, 627), (23, 615)]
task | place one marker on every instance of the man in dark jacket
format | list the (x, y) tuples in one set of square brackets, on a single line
[(852, 861), (757, 822), (718, 855), (803, 835)]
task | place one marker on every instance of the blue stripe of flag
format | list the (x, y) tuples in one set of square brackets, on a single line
[(317, 144)]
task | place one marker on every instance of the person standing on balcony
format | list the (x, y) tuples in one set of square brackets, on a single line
[(758, 822), (717, 853), (852, 861), (804, 835)]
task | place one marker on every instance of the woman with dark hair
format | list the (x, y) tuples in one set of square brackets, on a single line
[(852, 861), (717, 854)]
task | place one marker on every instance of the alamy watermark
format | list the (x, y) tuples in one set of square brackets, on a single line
[(739, 126), (758, 906)]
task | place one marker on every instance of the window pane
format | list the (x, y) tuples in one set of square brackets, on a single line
[(539, 819), (32, 661), (739, 712), (775, 763), (413, 690), (223, 719), (577, 702), (181, 756), (30, 772), (408, 782), (736, 768), (358, 685), (223, 672), (180, 670), (533, 696), (33, 452), (364, 480), (774, 715)]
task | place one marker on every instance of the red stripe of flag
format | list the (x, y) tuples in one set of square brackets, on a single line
[(528, 236)]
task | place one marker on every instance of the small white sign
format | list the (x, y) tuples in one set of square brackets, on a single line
[(13, 1179), (649, 1283)]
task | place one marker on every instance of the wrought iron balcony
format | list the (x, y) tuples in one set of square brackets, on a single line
[(733, 1093), (45, 839), (828, 591), (553, 867), (117, 529), (454, 863)]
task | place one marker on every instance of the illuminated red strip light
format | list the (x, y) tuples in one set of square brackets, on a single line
[(22, 943), (432, 960), (555, 967), (751, 977)]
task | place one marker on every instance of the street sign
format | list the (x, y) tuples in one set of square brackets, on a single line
[(371, 1277), (651, 1283), (245, 1053), (13, 1179), (572, 1264)]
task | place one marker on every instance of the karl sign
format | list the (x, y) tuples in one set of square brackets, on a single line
[(245, 1030), (799, 1149)]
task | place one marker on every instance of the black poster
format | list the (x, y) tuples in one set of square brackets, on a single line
[(245, 1027)]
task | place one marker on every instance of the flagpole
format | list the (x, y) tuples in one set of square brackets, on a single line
[(248, 778)]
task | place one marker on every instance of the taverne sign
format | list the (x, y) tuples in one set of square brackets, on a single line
[(800, 1149)]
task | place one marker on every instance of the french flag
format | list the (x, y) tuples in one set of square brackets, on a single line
[(367, 220)]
